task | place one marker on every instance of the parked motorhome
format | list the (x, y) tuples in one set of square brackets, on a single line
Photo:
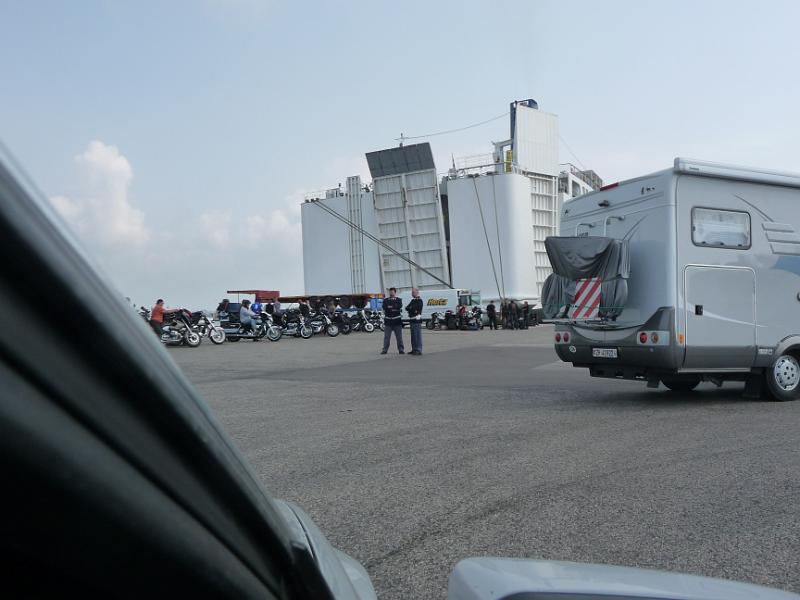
[(684, 275)]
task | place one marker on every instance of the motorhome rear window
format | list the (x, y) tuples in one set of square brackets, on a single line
[(720, 228)]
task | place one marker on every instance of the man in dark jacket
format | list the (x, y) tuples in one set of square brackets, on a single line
[(491, 314), (414, 310), (305, 310), (526, 314), (392, 318), (513, 315)]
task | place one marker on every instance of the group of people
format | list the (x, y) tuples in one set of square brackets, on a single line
[(250, 312), (393, 319), (272, 307), (512, 315)]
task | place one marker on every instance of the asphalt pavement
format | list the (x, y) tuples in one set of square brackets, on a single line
[(487, 445)]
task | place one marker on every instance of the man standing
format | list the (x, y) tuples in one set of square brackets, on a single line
[(392, 318), (414, 310), (526, 314), (513, 315), (491, 313), (305, 310)]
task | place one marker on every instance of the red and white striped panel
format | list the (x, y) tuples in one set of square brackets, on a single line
[(587, 299)]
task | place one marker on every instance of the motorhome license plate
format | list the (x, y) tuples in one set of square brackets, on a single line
[(604, 352)]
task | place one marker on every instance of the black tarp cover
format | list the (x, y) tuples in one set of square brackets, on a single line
[(558, 293), (574, 258), (582, 257)]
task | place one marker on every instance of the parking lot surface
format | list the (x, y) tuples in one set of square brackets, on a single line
[(488, 446)]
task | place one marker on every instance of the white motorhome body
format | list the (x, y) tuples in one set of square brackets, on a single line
[(714, 273)]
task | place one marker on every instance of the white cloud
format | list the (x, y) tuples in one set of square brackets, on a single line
[(277, 229), (215, 226), (103, 213), (190, 262)]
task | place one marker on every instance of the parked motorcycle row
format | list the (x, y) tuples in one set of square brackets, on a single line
[(187, 328), (292, 323), (468, 320)]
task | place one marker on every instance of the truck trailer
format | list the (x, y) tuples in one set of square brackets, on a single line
[(442, 300), (685, 275)]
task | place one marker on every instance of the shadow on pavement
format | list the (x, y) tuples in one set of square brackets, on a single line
[(702, 396)]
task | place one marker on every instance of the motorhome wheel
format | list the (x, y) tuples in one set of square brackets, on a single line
[(783, 378)]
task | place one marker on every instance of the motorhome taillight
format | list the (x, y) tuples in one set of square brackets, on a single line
[(654, 337), (643, 337), (558, 338), (566, 337)]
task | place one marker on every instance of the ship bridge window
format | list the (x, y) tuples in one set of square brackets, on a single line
[(720, 228)]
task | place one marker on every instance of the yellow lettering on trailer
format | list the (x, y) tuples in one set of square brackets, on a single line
[(437, 301)]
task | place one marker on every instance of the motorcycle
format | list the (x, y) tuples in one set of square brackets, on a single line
[(234, 330), (359, 322), (474, 319), (471, 320), (321, 321), (177, 329), (205, 327), (435, 322), (376, 318), (290, 323), (342, 321)]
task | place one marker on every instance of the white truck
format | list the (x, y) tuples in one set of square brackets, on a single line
[(684, 275), (440, 301)]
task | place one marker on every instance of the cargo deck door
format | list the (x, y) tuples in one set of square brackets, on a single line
[(720, 317)]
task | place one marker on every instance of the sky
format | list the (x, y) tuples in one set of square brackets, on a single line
[(177, 139)]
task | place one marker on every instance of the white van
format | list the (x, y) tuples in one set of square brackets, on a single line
[(699, 279)]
